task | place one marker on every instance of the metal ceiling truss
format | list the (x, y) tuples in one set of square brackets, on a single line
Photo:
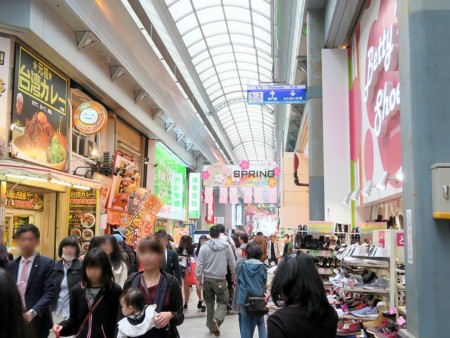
[(148, 26)]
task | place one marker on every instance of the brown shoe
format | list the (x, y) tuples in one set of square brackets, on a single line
[(215, 329)]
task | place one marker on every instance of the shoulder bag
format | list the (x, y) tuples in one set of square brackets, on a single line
[(256, 305)]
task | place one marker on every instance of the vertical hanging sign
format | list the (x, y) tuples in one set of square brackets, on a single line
[(194, 195), (234, 195), (248, 195), (223, 197), (210, 211)]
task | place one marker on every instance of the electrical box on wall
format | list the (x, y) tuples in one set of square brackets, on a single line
[(440, 180)]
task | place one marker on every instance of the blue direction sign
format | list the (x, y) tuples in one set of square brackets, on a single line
[(276, 94)]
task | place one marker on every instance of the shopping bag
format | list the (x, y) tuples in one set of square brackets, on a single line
[(189, 277)]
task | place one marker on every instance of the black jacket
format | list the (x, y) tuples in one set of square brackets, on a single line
[(102, 322), (73, 278), (40, 290), (292, 321), (172, 265), (175, 304)]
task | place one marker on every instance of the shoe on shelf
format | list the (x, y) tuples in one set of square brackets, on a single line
[(348, 327), (215, 329), (377, 284), (377, 322), (367, 312)]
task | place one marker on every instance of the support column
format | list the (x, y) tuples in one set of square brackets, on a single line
[(315, 41), (424, 47), (151, 155)]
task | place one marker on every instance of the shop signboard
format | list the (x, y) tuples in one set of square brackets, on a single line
[(90, 117), (5, 84), (19, 199), (276, 94), (105, 188), (244, 174), (40, 111), (83, 215), (195, 193), (125, 182), (170, 177), (366, 230), (374, 98)]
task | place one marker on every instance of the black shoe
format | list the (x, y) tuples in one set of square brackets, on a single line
[(185, 306), (203, 308), (200, 304)]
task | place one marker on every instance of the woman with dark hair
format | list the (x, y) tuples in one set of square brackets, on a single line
[(111, 247), (12, 323), (297, 287), (94, 302), (186, 253), (67, 275), (252, 279), (159, 288), (4, 257)]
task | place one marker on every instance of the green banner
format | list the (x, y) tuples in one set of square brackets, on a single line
[(170, 184)]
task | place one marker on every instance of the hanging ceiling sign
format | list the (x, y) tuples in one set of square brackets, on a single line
[(244, 174), (276, 94), (90, 117)]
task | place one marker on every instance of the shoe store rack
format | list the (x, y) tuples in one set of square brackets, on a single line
[(320, 240), (368, 303)]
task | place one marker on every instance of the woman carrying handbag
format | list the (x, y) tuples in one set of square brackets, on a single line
[(252, 279), (94, 302)]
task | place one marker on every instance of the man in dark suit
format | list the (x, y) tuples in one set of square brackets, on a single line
[(34, 277), (171, 262)]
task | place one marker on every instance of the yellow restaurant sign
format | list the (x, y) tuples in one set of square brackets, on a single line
[(90, 117)]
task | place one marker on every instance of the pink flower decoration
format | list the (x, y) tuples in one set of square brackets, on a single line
[(205, 174), (276, 171), (244, 165)]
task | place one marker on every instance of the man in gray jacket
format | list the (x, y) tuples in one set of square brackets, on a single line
[(212, 262)]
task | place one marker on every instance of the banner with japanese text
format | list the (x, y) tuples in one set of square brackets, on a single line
[(83, 215), (40, 111)]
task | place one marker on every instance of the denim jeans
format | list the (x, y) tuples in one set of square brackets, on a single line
[(250, 322)]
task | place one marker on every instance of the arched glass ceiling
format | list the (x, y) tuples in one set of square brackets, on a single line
[(230, 43)]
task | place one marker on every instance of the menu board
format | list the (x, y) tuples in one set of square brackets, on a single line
[(19, 199), (40, 111), (82, 216)]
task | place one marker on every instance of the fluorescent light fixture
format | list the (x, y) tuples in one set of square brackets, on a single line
[(382, 183), (367, 189), (399, 176), (346, 199), (355, 194), (53, 180), (80, 187), (26, 177)]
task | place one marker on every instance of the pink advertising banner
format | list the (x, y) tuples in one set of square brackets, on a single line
[(244, 174), (248, 194), (258, 194), (374, 98), (223, 196), (209, 195), (234, 199)]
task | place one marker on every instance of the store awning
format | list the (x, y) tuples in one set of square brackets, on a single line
[(40, 177)]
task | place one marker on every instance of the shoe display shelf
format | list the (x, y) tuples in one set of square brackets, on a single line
[(391, 241)]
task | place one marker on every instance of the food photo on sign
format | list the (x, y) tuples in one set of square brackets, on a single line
[(82, 216), (40, 111)]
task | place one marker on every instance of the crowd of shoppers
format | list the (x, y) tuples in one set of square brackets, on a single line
[(98, 294)]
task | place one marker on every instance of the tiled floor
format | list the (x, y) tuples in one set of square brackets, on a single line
[(194, 325)]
